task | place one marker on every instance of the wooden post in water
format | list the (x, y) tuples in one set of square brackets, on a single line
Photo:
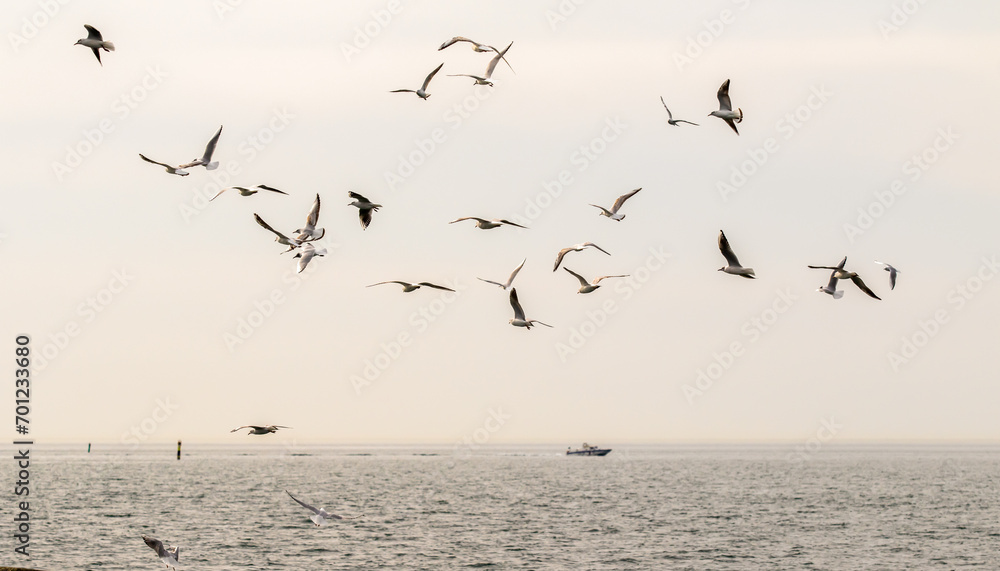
[(178, 449)]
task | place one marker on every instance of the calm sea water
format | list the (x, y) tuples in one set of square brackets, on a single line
[(523, 508)]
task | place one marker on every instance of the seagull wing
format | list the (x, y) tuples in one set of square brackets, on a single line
[(403, 91), (496, 59), (689, 123), (512, 224), (149, 160), (210, 147), (583, 281), (220, 192), (428, 284), (669, 114), (598, 280), (365, 214), (559, 257), (454, 40), (840, 266), (513, 274), (892, 277), (404, 284), (504, 286), (357, 196), (313, 217), (541, 323), (92, 33), (303, 504), (824, 268), (727, 250), (518, 312), (732, 124), (593, 245), (268, 227), (832, 285), (621, 199), (724, 103), (242, 427), (467, 218), (857, 281), (272, 189), (307, 254), (430, 76), (605, 210), (153, 543)]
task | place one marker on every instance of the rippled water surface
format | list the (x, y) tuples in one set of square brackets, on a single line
[(516, 508)]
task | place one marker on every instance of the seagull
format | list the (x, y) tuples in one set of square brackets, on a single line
[(670, 116), (519, 320), (487, 224), (408, 287), (206, 159), (733, 266), (280, 238), (839, 273), (247, 191), (892, 273), (169, 557), (95, 42), (476, 47), (422, 92), (170, 169), (613, 213), (587, 287), (485, 80), (307, 253), (268, 429), (365, 208), (321, 514), (510, 280), (726, 108), (575, 248), (308, 233)]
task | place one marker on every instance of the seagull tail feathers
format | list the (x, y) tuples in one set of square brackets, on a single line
[(109, 46), (212, 165), (740, 120)]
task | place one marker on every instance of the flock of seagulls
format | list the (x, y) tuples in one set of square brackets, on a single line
[(301, 240)]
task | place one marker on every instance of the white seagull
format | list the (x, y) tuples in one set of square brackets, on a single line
[(408, 287), (306, 254), (839, 273), (519, 319), (485, 80), (587, 287), (268, 429), (170, 169), (308, 233), (476, 47), (725, 111), (320, 515), (613, 213), (487, 224), (575, 248), (510, 280), (169, 557), (95, 42), (280, 238), (733, 266), (892, 273), (422, 92), (365, 208), (247, 191), (206, 158), (670, 116)]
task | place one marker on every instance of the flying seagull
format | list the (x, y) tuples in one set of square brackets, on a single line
[(613, 213), (725, 111), (95, 42), (487, 224), (510, 280), (206, 158), (575, 248), (839, 273), (170, 169), (519, 319), (408, 287), (321, 515), (306, 254), (587, 287), (309, 232), (892, 273), (365, 208), (268, 429), (248, 191), (476, 46), (422, 92), (670, 116), (169, 557), (280, 238), (733, 266), (485, 80)]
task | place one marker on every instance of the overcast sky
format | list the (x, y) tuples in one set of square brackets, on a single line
[(155, 315)]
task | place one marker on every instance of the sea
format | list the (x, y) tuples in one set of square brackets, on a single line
[(508, 507)]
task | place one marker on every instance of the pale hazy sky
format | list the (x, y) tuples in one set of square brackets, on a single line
[(844, 103)]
